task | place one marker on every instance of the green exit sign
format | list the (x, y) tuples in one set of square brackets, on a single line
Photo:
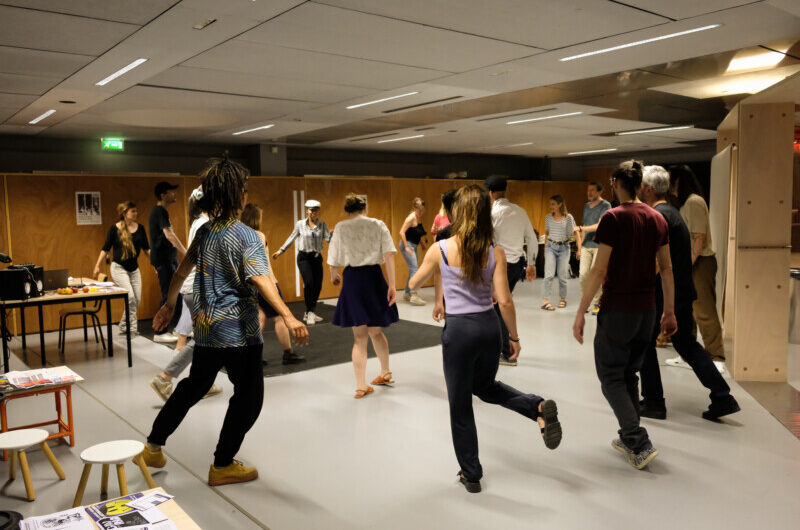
[(113, 144)]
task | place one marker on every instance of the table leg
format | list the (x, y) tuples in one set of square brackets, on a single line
[(85, 334), (104, 480), (22, 325), (70, 425), (123, 485), (3, 330), (57, 395), (108, 328), (127, 330), (87, 468), (41, 334), (3, 425)]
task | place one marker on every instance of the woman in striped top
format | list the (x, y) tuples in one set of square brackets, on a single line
[(558, 226)]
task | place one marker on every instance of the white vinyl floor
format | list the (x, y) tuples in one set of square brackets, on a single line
[(327, 461)]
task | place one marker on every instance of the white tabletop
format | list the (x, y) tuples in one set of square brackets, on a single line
[(112, 452), (22, 438)]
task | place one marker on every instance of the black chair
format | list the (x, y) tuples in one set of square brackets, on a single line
[(84, 312)]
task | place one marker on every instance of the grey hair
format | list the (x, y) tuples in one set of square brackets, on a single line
[(657, 178)]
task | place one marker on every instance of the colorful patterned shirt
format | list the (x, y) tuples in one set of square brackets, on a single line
[(227, 254)]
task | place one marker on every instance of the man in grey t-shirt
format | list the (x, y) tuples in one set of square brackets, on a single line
[(592, 212)]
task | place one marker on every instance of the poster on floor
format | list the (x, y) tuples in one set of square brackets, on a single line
[(74, 519), (87, 208)]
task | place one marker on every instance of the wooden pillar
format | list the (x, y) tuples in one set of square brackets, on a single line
[(762, 232)]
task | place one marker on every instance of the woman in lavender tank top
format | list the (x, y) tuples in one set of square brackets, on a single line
[(469, 272)]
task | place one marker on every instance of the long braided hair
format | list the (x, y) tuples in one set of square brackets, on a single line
[(224, 186)]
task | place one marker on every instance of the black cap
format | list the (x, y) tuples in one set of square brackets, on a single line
[(495, 183), (164, 187)]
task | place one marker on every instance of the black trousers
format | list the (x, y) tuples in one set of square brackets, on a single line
[(689, 349), (244, 371), (310, 265), (470, 348), (516, 272), (165, 273), (620, 343)]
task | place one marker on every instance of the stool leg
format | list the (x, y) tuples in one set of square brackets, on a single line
[(12, 466), (145, 472), (53, 462), (104, 480), (26, 475), (87, 468), (123, 485)]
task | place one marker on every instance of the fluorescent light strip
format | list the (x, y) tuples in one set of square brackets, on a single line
[(255, 129), (380, 100), (519, 145), (43, 116), (593, 151), (640, 42), (657, 129), (544, 118), (400, 139), (121, 71)]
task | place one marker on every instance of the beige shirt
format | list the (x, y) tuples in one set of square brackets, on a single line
[(695, 214), (358, 242)]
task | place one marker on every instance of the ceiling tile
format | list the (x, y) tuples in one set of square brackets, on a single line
[(540, 23), (265, 59), (339, 31), (26, 84), (16, 101), (256, 10), (679, 9), (139, 12), (39, 30), (40, 63)]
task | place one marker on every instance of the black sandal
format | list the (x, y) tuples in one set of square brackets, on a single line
[(472, 487), (551, 432)]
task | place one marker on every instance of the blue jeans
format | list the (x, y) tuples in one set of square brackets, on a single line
[(556, 263), (411, 261)]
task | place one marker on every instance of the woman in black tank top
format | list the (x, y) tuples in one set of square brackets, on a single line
[(411, 234)]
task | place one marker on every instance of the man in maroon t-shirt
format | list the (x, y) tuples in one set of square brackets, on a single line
[(632, 238)]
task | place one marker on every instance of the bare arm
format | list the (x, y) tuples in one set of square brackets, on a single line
[(698, 243), (667, 281), (103, 255), (430, 264), (289, 241), (169, 233), (164, 314), (391, 295), (269, 292)]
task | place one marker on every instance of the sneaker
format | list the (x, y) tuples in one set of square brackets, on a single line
[(652, 411), (678, 362), (721, 408), (317, 318), (309, 319), (161, 386), (472, 487), (406, 296), (416, 300), (233, 473), (165, 338), (505, 361), (213, 391), (293, 358), (720, 366), (620, 446), (153, 458), (642, 458)]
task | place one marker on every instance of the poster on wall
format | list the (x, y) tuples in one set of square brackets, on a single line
[(87, 208)]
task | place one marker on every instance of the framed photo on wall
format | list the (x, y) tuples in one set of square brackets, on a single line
[(87, 208)]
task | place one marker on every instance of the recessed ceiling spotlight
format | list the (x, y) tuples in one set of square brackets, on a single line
[(544, 118), (400, 139), (656, 129), (593, 151), (207, 22), (67, 102), (381, 100), (254, 129), (43, 116), (640, 42), (121, 71)]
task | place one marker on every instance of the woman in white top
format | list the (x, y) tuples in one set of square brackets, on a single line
[(182, 358), (559, 225), (360, 244)]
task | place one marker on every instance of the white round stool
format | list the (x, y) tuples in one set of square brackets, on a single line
[(17, 442), (108, 453)]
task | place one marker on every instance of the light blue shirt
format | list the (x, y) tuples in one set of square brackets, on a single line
[(591, 216)]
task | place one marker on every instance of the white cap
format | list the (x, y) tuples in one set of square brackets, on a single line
[(311, 203)]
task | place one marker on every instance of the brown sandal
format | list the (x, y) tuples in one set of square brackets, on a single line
[(548, 307), (383, 379), (562, 304), (361, 393)]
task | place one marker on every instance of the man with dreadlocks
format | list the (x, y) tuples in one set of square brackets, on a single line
[(232, 267)]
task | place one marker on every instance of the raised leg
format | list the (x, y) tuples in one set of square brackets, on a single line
[(12, 466), (109, 332), (87, 468), (145, 472), (53, 462), (123, 485), (26, 475), (104, 480)]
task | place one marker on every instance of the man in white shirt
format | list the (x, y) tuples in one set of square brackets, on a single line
[(512, 232)]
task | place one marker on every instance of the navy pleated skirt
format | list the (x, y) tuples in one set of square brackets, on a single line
[(268, 310), (362, 301)]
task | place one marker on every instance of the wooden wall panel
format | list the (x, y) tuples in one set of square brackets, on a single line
[(403, 193), (276, 196), (330, 191), (528, 194)]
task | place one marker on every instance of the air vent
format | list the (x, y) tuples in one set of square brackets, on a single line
[(421, 104), (517, 114), (373, 137)]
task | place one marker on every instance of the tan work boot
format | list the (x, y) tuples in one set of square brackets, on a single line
[(153, 458), (233, 473)]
